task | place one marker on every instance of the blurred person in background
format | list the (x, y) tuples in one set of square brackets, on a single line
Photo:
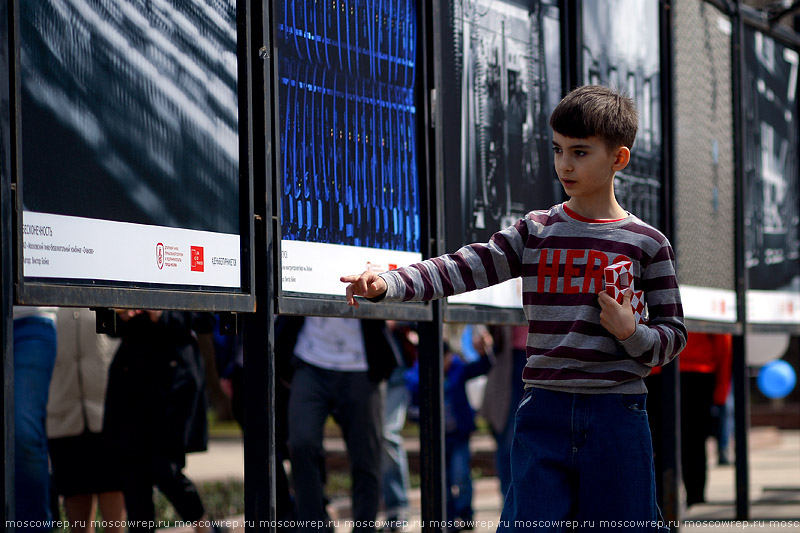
[(705, 377), (394, 463), (459, 423), (156, 410), (339, 364), (86, 471), (723, 424), (229, 356), (503, 393), (34, 359)]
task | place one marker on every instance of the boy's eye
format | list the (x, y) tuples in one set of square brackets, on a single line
[(556, 149), (580, 153)]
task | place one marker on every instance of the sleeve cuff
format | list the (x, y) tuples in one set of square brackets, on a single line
[(636, 344), (387, 279)]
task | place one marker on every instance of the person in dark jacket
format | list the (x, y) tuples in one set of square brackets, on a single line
[(338, 364), (229, 351), (459, 423), (156, 410)]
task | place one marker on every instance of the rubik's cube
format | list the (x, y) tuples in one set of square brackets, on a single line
[(619, 277), (637, 302)]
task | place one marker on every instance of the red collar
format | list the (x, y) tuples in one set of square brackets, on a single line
[(581, 218)]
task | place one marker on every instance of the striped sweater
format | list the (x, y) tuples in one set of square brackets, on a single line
[(561, 262)]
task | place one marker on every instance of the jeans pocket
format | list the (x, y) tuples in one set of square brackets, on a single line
[(633, 403), (527, 396)]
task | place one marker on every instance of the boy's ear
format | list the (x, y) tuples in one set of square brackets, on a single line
[(622, 158)]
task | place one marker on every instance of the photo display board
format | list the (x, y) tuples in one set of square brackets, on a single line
[(771, 179), (347, 172), (129, 148), (500, 79), (704, 161), (621, 49)]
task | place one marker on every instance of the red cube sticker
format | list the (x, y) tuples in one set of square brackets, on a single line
[(197, 259)]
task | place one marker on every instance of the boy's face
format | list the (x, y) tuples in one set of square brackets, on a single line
[(586, 166)]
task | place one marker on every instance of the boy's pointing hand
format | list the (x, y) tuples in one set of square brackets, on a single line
[(617, 318), (367, 284)]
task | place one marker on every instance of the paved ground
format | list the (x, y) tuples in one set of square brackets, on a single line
[(774, 487)]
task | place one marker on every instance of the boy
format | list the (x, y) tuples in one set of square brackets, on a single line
[(582, 450)]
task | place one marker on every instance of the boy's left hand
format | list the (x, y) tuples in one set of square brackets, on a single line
[(617, 318)]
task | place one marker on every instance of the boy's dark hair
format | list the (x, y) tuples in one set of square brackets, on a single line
[(597, 111)]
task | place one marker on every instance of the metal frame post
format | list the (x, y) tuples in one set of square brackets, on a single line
[(431, 422), (431, 372), (7, 264), (258, 330), (740, 378), (670, 445)]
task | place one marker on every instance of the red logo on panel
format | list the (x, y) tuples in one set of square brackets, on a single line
[(160, 255), (197, 259)]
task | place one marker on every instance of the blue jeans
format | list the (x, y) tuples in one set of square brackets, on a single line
[(581, 457), (34, 359), (394, 462), (458, 476)]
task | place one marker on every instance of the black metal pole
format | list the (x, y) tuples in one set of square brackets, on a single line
[(7, 268), (259, 366), (431, 418), (8, 360), (741, 399), (670, 445), (741, 409), (431, 373), (259, 408)]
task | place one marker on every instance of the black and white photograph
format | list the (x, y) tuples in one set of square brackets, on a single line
[(130, 111), (772, 216), (501, 79), (129, 141), (621, 49)]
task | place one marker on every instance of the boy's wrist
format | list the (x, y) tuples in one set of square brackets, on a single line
[(382, 295), (376, 299), (626, 337), (634, 343)]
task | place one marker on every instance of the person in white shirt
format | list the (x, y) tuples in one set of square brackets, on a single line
[(338, 366)]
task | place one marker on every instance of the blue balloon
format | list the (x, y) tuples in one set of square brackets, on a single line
[(776, 379)]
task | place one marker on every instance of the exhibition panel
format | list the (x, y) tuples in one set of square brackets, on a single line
[(771, 178), (704, 162), (348, 183), (131, 158), (499, 77)]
